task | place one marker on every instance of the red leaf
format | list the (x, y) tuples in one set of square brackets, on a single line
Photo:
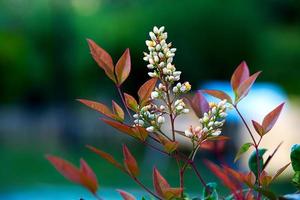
[(140, 132), (159, 182), (106, 157), (199, 104), (271, 118), (258, 128), (103, 59), (89, 179), (103, 109), (126, 195), (84, 176), (121, 127), (118, 111), (169, 146), (145, 91), (239, 76), (219, 94), (123, 67), (171, 193), (130, 162), (68, 170), (245, 87), (131, 102)]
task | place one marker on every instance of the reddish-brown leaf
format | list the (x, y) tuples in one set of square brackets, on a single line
[(171, 193), (140, 132), (199, 104), (249, 179), (106, 157), (265, 179), (169, 146), (271, 118), (130, 162), (258, 128), (88, 177), (245, 87), (68, 170), (103, 109), (123, 67), (126, 195), (239, 76), (119, 126), (145, 91), (103, 59), (159, 182), (219, 94), (131, 102), (118, 111), (280, 171)]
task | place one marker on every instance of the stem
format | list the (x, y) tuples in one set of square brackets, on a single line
[(198, 174), (145, 188), (256, 148), (123, 101), (97, 197)]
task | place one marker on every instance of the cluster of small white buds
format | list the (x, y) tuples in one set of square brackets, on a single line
[(214, 119), (182, 88), (160, 56), (193, 132), (180, 107)]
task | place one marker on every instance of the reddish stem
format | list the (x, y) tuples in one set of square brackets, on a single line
[(123, 101), (145, 188)]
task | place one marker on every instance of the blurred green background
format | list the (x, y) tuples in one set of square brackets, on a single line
[(45, 64)]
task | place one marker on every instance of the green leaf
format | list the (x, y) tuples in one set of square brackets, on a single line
[(252, 163), (296, 179), (295, 157), (244, 148), (210, 192)]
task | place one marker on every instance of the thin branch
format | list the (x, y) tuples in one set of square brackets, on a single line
[(123, 101), (145, 188)]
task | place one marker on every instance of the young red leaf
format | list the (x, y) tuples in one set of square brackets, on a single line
[(106, 157), (172, 193), (130, 162), (258, 128), (131, 102), (169, 146), (103, 59), (199, 104), (68, 170), (118, 111), (159, 182), (265, 179), (271, 118), (239, 76), (140, 132), (123, 67), (279, 172), (103, 109), (249, 179), (89, 179), (145, 91), (121, 127), (245, 87), (126, 195), (219, 94)]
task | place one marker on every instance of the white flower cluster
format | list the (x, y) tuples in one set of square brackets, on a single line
[(182, 88), (151, 117), (160, 56), (211, 122)]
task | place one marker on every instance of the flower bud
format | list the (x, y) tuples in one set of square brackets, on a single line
[(154, 95), (161, 120), (150, 129)]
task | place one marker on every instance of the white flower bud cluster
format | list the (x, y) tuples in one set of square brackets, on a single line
[(211, 122), (180, 107), (151, 117), (182, 88), (160, 56)]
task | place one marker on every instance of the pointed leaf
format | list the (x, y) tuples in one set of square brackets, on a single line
[(219, 94), (68, 170), (172, 193), (239, 75), (130, 162), (280, 171), (258, 128), (271, 118), (131, 102), (245, 87), (126, 195), (145, 91), (244, 148), (119, 126), (123, 67), (106, 157), (265, 179), (118, 111), (199, 104), (252, 163), (103, 59), (89, 179), (169, 146), (249, 179), (140, 132), (159, 182), (103, 109)]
